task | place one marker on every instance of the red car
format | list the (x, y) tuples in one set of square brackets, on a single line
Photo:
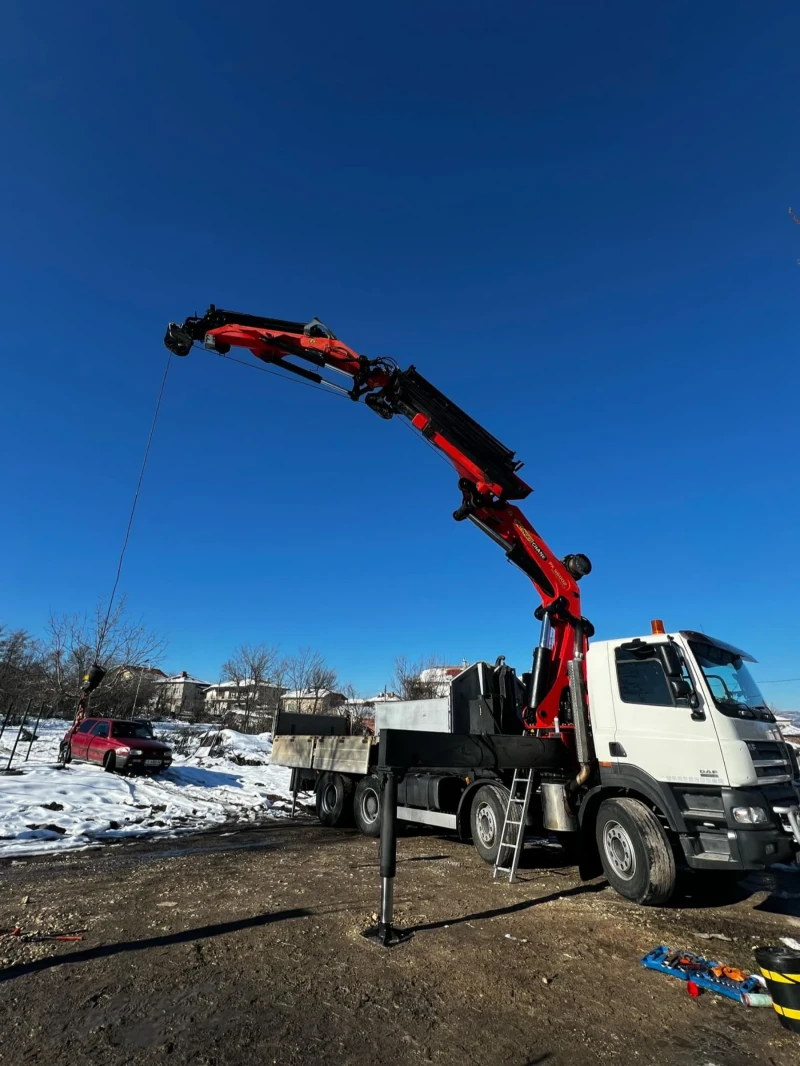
[(115, 744)]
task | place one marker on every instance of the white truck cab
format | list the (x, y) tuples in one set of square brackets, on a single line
[(700, 745)]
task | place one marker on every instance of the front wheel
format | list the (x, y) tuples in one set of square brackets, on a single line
[(64, 754), (110, 762), (635, 852), (335, 800), (367, 806)]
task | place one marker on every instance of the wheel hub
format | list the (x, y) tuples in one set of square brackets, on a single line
[(619, 850), (329, 798), (486, 825), (369, 806)]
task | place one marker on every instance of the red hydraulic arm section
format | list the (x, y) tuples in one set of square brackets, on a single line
[(487, 471)]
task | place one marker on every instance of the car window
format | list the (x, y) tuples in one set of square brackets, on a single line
[(132, 730), (84, 727), (100, 730)]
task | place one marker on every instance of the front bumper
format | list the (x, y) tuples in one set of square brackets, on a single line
[(748, 847), (140, 763), (790, 820)]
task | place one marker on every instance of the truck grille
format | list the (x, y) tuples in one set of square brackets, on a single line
[(771, 761)]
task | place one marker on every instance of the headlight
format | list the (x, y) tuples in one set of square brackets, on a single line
[(751, 815), (136, 751)]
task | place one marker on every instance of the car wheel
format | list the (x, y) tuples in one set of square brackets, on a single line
[(635, 852), (109, 762), (367, 806), (335, 800), (486, 818), (64, 754)]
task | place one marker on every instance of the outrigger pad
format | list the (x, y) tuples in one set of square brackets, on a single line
[(386, 936)]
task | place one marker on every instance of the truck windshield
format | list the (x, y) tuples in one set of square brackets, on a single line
[(132, 731), (733, 689)]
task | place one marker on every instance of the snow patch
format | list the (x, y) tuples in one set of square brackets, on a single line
[(47, 809)]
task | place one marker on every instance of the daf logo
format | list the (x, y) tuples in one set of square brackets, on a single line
[(709, 773)]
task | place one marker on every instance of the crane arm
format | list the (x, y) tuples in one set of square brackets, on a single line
[(488, 471)]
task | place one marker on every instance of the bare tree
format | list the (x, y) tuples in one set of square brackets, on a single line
[(253, 668), (308, 674), (72, 644), (360, 711), (408, 682), (21, 671)]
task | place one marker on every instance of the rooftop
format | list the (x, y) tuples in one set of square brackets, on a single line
[(183, 678), (309, 694), (246, 682)]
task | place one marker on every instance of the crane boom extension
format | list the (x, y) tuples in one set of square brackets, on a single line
[(488, 471)]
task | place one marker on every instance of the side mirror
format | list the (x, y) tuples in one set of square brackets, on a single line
[(681, 689), (683, 692)]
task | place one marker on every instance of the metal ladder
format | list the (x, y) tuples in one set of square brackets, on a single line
[(519, 799)]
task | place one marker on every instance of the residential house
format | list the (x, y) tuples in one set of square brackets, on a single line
[(362, 711), (439, 678), (312, 701), (181, 696), (789, 725), (141, 673), (242, 698)]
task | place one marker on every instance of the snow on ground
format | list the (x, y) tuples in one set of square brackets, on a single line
[(48, 809)]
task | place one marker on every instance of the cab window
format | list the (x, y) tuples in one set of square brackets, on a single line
[(84, 727), (642, 680), (100, 730)]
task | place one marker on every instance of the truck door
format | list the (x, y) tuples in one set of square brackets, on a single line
[(655, 731)]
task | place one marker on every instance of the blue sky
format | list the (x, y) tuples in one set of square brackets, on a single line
[(572, 218)]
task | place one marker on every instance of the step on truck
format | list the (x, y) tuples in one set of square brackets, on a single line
[(644, 754)]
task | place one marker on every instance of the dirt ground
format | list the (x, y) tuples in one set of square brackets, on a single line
[(246, 948)]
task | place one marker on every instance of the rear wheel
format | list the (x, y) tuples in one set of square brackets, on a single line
[(367, 806), (635, 852), (335, 800), (486, 818), (109, 762)]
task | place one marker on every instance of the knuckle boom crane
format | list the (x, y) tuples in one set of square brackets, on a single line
[(488, 477), (680, 763)]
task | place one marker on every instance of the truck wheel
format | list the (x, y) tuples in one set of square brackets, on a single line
[(335, 800), (486, 818), (636, 855), (367, 806)]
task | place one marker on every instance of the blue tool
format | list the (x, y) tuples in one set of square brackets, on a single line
[(688, 967)]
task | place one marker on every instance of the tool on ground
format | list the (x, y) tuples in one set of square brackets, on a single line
[(18, 934), (701, 973)]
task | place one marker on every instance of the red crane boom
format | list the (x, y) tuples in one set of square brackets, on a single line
[(488, 474)]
